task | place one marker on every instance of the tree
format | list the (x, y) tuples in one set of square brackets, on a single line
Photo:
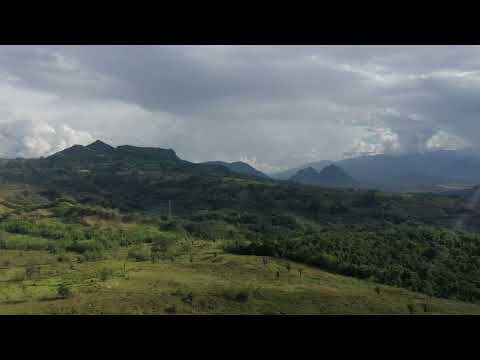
[(105, 274), (411, 308), (160, 248), (64, 290)]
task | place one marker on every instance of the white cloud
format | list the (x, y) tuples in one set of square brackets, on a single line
[(267, 168), (379, 141), (446, 141), (34, 139)]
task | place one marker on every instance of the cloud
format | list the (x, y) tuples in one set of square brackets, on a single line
[(279, 105), (34, 139), (444, 140), (380, 141), (267, 168)]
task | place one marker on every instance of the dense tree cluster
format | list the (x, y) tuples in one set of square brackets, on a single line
[(421, 258)]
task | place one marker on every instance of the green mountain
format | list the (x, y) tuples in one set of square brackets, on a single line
[(101, 152), (287, 174), (100, 146), (239, 167), (330, 176)]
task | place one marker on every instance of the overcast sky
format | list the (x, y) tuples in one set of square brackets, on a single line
[(272, 106)]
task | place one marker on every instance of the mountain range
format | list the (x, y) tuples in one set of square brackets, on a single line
[(287, 174), (429, 171), (99, 152), (435, 171)]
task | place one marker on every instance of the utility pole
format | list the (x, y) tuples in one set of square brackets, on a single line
[(169, 209)]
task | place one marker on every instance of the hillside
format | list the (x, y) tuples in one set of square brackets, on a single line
[(202, 280), (239, 167)]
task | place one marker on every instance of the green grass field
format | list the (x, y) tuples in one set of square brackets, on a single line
[(201, 279)]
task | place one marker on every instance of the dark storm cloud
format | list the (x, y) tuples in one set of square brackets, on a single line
[(268, 104)]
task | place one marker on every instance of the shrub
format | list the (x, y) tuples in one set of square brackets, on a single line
[(55, 247), (92, 255), (82, 246), (411, 308), (171, 309), (242, 296), (64, 290), (162, 244), (63, 258), (105, 274), (140, 253)]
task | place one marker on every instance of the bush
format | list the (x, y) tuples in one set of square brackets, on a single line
[(411, 308), (171, 309), (92, 255), (105, 274), (140, 253), (82, 247), (163, 243), (64, 290), (242, 296), (63, 258)]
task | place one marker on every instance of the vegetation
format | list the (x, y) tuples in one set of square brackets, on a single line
[(234, 244), (227, 284), (433, 261)]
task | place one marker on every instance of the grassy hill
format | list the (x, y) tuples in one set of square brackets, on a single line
[(200, 280)]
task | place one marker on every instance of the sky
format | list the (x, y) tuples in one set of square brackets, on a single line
[(275, 107)]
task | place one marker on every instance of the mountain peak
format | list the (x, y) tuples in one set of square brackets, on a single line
[(75, 151), (332, 168), (331, 176), (99, 145), (307, 171)]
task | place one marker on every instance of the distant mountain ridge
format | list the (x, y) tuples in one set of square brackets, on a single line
[(239, 167), (99, 152), (330, 176), (287, 174), (99, 148), (427, 171)]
